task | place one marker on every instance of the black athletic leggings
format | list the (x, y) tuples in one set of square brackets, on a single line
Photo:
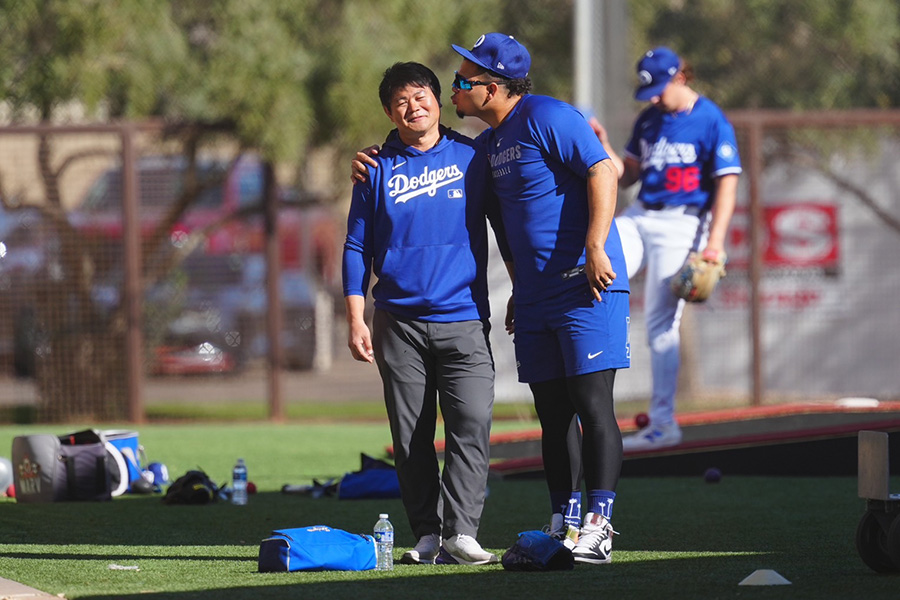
[(588, 397)]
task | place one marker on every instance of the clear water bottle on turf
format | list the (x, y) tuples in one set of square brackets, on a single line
[(384, 544), (239, 483)]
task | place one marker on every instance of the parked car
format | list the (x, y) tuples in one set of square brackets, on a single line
[(221, 318), (207, 313), (28, 255), (229, 207)]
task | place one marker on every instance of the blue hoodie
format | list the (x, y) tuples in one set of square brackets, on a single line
[(418, 223)]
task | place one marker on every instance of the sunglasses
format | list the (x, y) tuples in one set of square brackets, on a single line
[(461, 83)]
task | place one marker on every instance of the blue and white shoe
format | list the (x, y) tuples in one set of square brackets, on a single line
[(462, 549), (594, 541), (653, 437)]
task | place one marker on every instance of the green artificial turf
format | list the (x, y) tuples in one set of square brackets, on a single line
[(362, 410), (679, 537)]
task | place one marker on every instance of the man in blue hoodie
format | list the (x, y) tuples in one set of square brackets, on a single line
[(418, 223)]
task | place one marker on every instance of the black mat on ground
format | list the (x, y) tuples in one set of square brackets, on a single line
[(817, 453)]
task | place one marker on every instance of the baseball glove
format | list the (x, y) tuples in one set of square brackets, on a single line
[(698, 277)]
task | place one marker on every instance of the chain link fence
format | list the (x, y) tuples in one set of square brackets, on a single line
[(810, 312), (807, 310), (817, 318), (66, 330), (816, 322)]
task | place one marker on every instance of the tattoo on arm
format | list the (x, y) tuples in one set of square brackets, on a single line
[(595, 170)]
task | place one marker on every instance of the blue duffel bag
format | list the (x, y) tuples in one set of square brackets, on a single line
[(316, 548)]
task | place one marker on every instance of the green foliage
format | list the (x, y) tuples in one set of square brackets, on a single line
[(546, 29), (244, 66), (804, 54), (367, 41), (292, 74), (45, 53)]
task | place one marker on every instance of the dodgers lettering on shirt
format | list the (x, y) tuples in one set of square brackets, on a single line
[(664, 153), (403, 187), (681, 154), (539, 157), (500, 159), (419, 225)]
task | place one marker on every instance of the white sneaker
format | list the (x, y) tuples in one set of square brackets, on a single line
[(462, 549), (595, 541), (652, 437), (425, 551), (559, 530)]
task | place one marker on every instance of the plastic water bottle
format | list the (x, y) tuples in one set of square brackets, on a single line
[(384, 544), (239, 483)]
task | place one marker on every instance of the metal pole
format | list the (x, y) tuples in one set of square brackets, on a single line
[(754, 142), (133, 288), (274, 318), (584, 34), (603, 76)]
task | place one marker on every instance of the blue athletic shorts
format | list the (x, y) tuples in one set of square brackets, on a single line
[(572, 334)]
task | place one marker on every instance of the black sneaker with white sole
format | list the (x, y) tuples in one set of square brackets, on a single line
[(594, 544)]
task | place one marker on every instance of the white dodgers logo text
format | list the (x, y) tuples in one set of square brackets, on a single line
[(404, 187), (664, 153)]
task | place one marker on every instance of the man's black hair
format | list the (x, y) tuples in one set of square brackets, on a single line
[(401, 74), (514, 87)]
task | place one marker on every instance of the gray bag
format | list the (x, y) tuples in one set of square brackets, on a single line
[(49, 468)]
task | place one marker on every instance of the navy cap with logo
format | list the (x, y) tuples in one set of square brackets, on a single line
[(655, 70), (500, 54)]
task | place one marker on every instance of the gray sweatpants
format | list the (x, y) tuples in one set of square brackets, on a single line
[(423, 364)]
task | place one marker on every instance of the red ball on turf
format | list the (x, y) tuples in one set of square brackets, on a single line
[(641, 420), (251, 487), (11, 490)]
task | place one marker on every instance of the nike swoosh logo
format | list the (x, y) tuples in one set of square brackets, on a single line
[(594, 355), (397, 166)]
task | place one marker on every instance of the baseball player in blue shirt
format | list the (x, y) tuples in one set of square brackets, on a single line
[(569, 311), (684, 153), (418, 223)]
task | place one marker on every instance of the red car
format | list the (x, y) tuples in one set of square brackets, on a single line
[(227, 213), (211, 310)]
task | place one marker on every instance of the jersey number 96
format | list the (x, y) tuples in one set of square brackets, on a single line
[(682, 179)]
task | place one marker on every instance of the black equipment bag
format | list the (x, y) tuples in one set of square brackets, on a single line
[(194, 487)]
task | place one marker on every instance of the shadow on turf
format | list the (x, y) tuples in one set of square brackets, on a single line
[(126, 521), (416, 582), (123, 558)]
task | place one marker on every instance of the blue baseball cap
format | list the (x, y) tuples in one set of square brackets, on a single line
[(499, 53), (655, 70)]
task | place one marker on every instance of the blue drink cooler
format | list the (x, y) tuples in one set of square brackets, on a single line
[(122, 446)]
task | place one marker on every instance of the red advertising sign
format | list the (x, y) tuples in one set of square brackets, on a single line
[(801, 235)]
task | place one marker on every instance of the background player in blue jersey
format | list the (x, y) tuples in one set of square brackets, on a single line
[(557, 192), (418, 223), (684, 153)]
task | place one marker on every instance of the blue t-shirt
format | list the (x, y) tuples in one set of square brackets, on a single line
[(540, 155), (681, 154), (418, 223)]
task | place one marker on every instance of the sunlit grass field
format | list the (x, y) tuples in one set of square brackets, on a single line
[(679, 537)]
